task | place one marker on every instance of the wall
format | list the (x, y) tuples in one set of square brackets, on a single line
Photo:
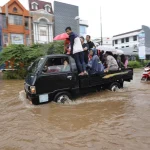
[(131, 43), (147, 35), (64, 15), (36, 15), (1, 33)]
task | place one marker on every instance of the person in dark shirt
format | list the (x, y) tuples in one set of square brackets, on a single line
[(77, 51), (85, 49), (90, 44)]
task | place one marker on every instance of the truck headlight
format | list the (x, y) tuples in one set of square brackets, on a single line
[(33, 89)]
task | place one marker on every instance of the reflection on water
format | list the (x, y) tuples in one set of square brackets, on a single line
[(98, 121)]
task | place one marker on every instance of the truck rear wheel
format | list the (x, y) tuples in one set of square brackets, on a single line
[(62, 97), (114, 86)]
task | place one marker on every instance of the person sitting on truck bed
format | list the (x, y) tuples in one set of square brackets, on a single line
[(95, 65), (66, 66), (111, 62)]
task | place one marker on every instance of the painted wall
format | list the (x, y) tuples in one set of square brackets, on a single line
[(13, 28)]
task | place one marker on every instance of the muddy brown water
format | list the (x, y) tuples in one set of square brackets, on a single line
[(98, 121)]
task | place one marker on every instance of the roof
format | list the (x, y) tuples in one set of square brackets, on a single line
[(41, 5), (10, 2), (138, 30)]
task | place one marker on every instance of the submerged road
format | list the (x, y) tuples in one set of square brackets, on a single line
[(99, 121)]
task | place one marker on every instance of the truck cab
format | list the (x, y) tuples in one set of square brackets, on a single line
[(49, 80)]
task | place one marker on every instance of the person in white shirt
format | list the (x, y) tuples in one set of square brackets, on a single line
[(77, 51)]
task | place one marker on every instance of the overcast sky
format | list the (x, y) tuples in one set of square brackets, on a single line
[(118, 16)]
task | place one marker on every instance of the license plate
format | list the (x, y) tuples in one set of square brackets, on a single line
[(43, 98)]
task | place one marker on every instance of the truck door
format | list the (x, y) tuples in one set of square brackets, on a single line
[(58, 76)]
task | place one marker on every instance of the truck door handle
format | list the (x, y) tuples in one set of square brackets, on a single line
[(69, 77)]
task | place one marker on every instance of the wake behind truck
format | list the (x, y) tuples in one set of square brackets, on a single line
[(47, 80)]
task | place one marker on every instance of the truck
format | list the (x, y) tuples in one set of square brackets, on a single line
[(47, 81)]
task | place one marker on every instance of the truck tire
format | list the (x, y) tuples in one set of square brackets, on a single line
[(114, 86), (62, 97)]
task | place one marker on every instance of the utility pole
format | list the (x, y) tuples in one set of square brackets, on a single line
[(101, 26)]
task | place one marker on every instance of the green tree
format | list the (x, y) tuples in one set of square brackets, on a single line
[(27, 54)]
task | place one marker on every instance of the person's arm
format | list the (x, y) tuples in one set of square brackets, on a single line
[(85, 48), (71, 43), (93, 45), (126, 64)]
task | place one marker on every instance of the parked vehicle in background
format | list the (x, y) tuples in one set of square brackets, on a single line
[(146, 73)]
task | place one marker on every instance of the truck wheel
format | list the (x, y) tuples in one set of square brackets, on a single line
[(62, 97), (114, 86)]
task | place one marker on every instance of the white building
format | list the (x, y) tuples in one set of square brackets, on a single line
[(83, 25), (42, 21), (124, 40), (107, 41)]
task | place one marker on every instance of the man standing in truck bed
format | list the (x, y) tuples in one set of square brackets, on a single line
[(77, 51)]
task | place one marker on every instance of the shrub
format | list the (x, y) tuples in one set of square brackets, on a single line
[(15, 74), (134, 64), (24, 55)]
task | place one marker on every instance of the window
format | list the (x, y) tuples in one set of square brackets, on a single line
[(27, 40), (122, 40), (135, 38), (15, 20), (127, 46), (116, 41), (116, 47), (113, 43), (57, 65), (82, 30), (127, 39), (122, 47), (43, 33), (17, 39), (15, 10), (34, 5), (4, 22), (26, 23), (48, 8)]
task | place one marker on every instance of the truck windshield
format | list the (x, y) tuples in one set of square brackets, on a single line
[(37, 64)]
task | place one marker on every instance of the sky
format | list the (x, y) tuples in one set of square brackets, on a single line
[(118, 16)]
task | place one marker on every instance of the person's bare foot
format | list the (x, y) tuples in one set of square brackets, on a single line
[(85, 73), (81, 74)]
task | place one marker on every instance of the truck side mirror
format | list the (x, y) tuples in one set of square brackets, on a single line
[(28, 69)]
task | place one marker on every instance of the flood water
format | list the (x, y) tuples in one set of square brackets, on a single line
[(99, 121)]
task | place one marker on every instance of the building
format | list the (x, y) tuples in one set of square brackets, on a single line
[(16, 24), (83, 26), (42, 21), (65, 15), (128, 39), (128, 42), (107, 41)]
